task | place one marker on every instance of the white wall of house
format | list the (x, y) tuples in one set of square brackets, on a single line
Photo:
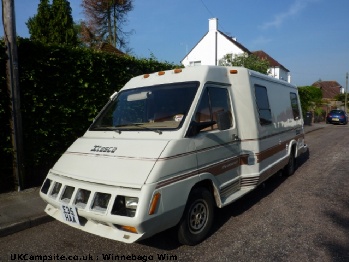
[(280, 73), (212, 47)]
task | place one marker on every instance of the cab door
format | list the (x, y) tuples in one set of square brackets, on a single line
[(217, 146)]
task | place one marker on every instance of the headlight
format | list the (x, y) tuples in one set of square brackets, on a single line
[(131, 202), (125, 206)]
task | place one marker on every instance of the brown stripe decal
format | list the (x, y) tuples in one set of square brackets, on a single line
[(176, 179), (109, 156), (215, 169), (234, 162), (275, 149), (226, 165), (270, 152)]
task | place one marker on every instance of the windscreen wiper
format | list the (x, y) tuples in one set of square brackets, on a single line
[(115, 128)]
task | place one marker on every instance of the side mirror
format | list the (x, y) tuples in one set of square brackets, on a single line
[(195, 127), (224, 120)]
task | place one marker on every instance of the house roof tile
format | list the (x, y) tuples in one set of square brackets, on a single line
[(329, 88), (273, 63), (106, 47), (239, 45)]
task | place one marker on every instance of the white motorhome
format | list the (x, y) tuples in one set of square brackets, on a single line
[(170, 147)]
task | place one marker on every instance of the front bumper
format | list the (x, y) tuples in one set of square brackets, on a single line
[(100, 221), (96, 227)]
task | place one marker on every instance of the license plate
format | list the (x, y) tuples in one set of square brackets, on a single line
[(69, 214), (335, 119)]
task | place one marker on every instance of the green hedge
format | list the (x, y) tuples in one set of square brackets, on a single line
[(62, 90)]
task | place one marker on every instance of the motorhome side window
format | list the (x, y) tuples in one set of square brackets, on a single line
[(295, 106), (263, 105), (214, 103)]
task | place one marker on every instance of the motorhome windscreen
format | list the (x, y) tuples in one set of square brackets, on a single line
[(160, 107)]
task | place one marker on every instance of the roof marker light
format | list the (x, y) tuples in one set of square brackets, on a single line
[(161, 73), (177, 70), (146, 75), (233, 71)]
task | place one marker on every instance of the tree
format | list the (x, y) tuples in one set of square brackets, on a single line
[(37, 25), (340, 97), (250, 61), (310, 96), (53, 24), (62, 23), (105, 21)]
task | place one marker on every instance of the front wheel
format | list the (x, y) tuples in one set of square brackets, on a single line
[(197, 218)]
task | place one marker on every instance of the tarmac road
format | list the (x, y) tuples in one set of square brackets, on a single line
[(304, 217)]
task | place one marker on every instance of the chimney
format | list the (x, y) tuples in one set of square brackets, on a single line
[(213, 24)]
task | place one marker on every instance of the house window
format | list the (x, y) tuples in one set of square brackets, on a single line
[(295, 106), (263, 106), (195, 63)]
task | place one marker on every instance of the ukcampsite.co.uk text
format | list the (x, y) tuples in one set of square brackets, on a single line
[(89, 257)]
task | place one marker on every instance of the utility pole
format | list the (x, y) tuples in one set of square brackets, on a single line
[(346, 93), (8, 16)]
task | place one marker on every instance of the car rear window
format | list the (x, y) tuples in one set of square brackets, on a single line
[(336, 112)]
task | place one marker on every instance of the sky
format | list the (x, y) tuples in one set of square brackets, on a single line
[(308, 37)]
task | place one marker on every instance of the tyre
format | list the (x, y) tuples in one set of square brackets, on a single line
[(291, 165), (197, 218)]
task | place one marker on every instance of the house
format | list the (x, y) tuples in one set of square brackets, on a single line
[(106, 47), (213, 46), (276, 70), (330, 89)]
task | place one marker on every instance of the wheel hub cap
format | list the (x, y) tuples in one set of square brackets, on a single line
[(198, 217)]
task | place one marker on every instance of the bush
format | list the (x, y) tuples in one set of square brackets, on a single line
[(62, 90)]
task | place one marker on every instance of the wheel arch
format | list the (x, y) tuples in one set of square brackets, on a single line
[(197, 218), (292, 149), (212, 187)]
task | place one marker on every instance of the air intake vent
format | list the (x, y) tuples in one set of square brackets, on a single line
[(230, 189), (249, 181)]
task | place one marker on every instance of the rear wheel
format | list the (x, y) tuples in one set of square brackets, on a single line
[(197, 218), (291, 165)]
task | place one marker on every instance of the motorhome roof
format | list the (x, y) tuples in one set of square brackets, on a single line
[(197, 73), (202, 74)]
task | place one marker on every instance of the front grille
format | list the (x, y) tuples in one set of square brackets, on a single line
[(46, 186), (100, 202), (87, 200), (81, 198), (56, 188), (68, 193)]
